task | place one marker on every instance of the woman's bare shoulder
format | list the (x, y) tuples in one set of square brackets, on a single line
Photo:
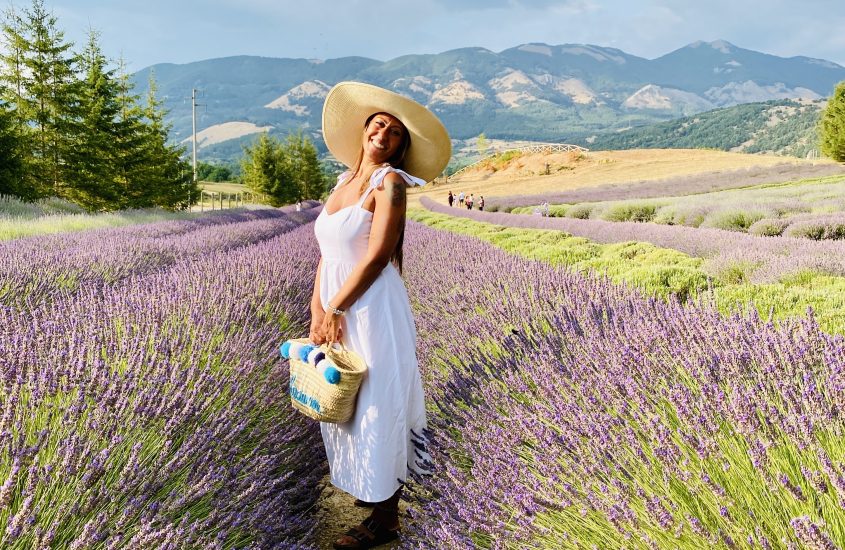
[(393, 188), (394, 178)]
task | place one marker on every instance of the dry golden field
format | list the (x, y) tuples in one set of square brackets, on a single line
[(525, 174)]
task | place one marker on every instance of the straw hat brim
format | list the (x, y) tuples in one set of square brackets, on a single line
[(348, 106)]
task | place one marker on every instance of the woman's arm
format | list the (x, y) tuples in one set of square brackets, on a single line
[(388, 221), (315, 333)]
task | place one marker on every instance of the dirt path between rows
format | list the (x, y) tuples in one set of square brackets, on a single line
[(337, 513)]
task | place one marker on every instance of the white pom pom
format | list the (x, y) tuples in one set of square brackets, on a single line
[(294, 349), (322, 366), (312, 357)]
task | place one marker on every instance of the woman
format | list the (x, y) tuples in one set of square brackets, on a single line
[(360, 300)]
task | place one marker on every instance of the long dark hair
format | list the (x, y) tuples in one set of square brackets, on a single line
[(397, 160)]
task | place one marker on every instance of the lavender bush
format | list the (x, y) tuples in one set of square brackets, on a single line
[(768, 227), (818, 201), (773, 257), (39, 268), (818, 228), (572, 413), (152, 413)]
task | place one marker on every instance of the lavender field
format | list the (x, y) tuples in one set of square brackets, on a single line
[(144, 404), (572, 413), (706, 182), (810, 209), (38, 268), (763, 259), (142, 409)]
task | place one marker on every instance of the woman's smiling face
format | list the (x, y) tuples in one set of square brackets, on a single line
[(383, 137)]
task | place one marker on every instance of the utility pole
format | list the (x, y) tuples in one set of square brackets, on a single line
[(194, 118)]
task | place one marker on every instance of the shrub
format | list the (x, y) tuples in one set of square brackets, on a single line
[(14, 207), (768, 227), (733, 219), (558, 210), (630, 212), (666, 214), (827, 228), (692, 215), (579, 211)]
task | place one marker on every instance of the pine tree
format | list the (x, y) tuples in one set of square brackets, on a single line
[(832, 125), (265, 170), (304, 166), (12, 181), (13, 94), (49, 97), (284, 172), (92, 164), (163, 178)]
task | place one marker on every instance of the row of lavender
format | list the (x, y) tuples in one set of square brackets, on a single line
[(572, 413), (39, 268), (672, 187), (151, 413), (810, 209), (769, 258)]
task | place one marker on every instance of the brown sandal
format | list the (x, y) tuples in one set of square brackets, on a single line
[(369, 534)]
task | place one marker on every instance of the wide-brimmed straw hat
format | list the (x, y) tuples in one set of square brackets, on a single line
[(348, 106)]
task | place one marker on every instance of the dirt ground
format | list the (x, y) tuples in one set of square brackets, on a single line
[(337, 514), (526, 174)]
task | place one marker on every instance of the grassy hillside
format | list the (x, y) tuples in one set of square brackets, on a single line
[(783, 127), (525, 174)]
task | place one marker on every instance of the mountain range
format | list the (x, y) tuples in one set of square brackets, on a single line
[(560, 93)]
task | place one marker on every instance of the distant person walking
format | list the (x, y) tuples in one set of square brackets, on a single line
[(461, 198), (481, 203), (469, 202), (451, 198)]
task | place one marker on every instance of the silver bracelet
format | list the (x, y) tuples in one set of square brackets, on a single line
[(336, 311)]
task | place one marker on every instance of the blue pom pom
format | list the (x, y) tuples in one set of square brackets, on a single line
[(285, 350), (315, 356), (332, 375), (304, 351)]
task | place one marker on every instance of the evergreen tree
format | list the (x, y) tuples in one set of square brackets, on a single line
[(213, 172), (265, 170), (92, 169), (49, 95), (11, 160), (832, 125), (163, 178), (304, 166), (70, 127), (13, 94), (130, 166)]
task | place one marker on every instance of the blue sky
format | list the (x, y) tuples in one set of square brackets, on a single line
[(180, 31)]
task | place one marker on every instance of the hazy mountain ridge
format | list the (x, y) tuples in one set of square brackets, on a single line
[(783, 127), (534, 91)]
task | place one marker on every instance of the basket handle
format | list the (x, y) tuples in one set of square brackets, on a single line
[(338, 345)]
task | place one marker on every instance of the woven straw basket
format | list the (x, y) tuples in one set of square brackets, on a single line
[(314, 396)]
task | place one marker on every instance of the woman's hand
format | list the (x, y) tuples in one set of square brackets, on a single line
[(316, 333), (331, 328)]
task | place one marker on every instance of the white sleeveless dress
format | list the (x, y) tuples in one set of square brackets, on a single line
[(371, 455)]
